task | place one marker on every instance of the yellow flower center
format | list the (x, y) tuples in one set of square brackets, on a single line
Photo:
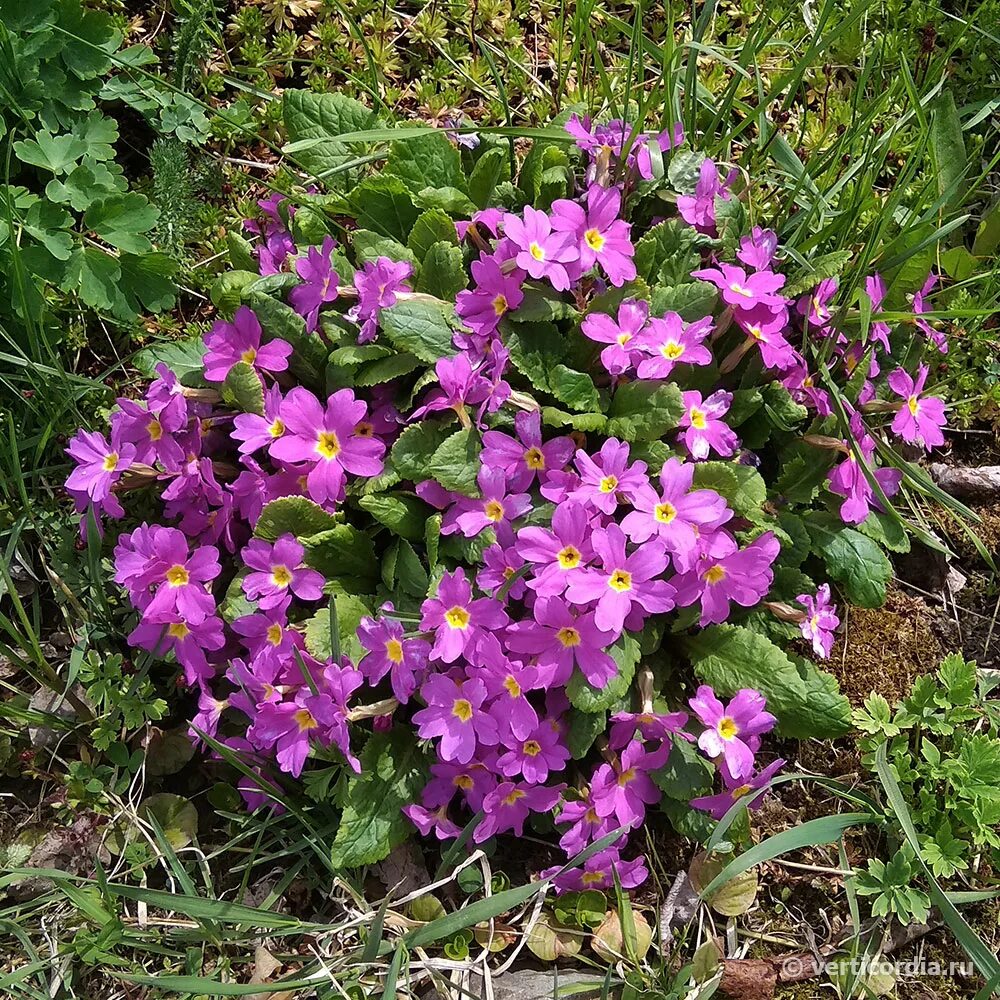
[(111, 461), (462, 709), (394, 651), (664, 512), (277, 428), (623, 339), (807, 382), (178, 576), (532, 749), (698, 420), (274, 634), (814, 622), (457, 617), (178, 630), (281, 576), (714, 574), (727, 728), (738, 793), (328, 445), (155, 429), (249, 355), (494, 510), (536, 251), (513, 688), (569, 557), (594, 240), (593, 878), (913, 405), (305, 720), (671, 350), (534, 459), (500, 305), (755, 332), (620, 580), (462, 781), (513, 796), (609, 484), (626, 776), (737, 289), (569, 637), (365, 429)]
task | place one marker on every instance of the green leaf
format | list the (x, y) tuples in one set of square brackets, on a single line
[(455, 463), (887, 530), (402, 568), (852, 559), (383, 204), (443, 272), (324, 117), (427, 161), (535, 349), (805, 700), (691, 300), (488, 171), (89, 182), (121, 220), (55, 153), (587, 698), (243, 389), (804, 470), (308, 358), (644, 411), (372, 824), (350, 610), (687, 772), (747, 497), (432, 226), (573, 388), (413, 450), (582, 730), (297, 516), (827, 266), (343, 553), (147, 281), (386, 369), (947, 148), (94, 276), (449, 199), (185, 358), (401, 513), (176, 816), (369, 246), (422, 325), (668, 253)]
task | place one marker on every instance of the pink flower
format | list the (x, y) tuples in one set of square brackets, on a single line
[(229, 343), (494, 509), (255, 431), (328, 439), (542, 253), (743, 291), (658, 728), (815, 307), (557, 554), (99, 466), (598, 872), (625, 791), (526, 456), (668, 341), (820, 621), (509, 804), (736, 788), (279, 573), (623, 336), (878, 330), (455, 713), (704, 428), (920, 306), (767, 327), (758, 249), (426, 820), (389, 652), (698, 210), (180, 578), (625, 586), (602, 237), (728, 574), (849, 480), (920, 419), (734, 730), (535, 756), (607, 479), (585, 825), (187, 641), (495, 294), (378, 283), (319, 282), (457, 620)]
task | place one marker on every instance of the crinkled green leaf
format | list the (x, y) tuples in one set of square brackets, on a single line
[(587, 698), (455, 463), (487, 173), (644, 410), (432, 226), (422, 325), (243, 389), (443, 272), (386, 369), (427, 161), (383, 204), (413, 450), (401, 513), (856, 562), (121, 220), (324, 117), (297, 516)]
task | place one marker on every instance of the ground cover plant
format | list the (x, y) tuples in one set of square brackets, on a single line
[(376, 585)]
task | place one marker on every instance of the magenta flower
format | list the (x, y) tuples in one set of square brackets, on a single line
[(920, 419), (878, 330), (426, 820), (328, 439), (99, 466), (319, 282), (269, 639), (154, 433), (601, 236), (743, 291), (455, 713), (767, 329), (820, 621), (800, 383), (703, 426), (678, 516), (758, 249), (698, 209), (733, 731), (508, 806), (507, 684), (542, 253), (457, 620), (474, 781), (255, 431), (598, 872), (228, 343), (181, 579), (494, 509), (279, 573), (404, 660), (736, 788), (625, 587), (495, 294), (558, 640), (187, 641), (658, 728), (585, 825), (623, 336), (613, 138), (815, 307), (500, 565), (607, 479), (557, 554), (377, 283), (536, 756), (728, 574), (936, 337), (668, 341), (849, 480), (459, 385), (525, 456), (626, 790)]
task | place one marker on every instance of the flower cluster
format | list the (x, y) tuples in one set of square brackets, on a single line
[(542, 571)]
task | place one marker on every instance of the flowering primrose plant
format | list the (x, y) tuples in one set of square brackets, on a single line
[(458, 504)]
